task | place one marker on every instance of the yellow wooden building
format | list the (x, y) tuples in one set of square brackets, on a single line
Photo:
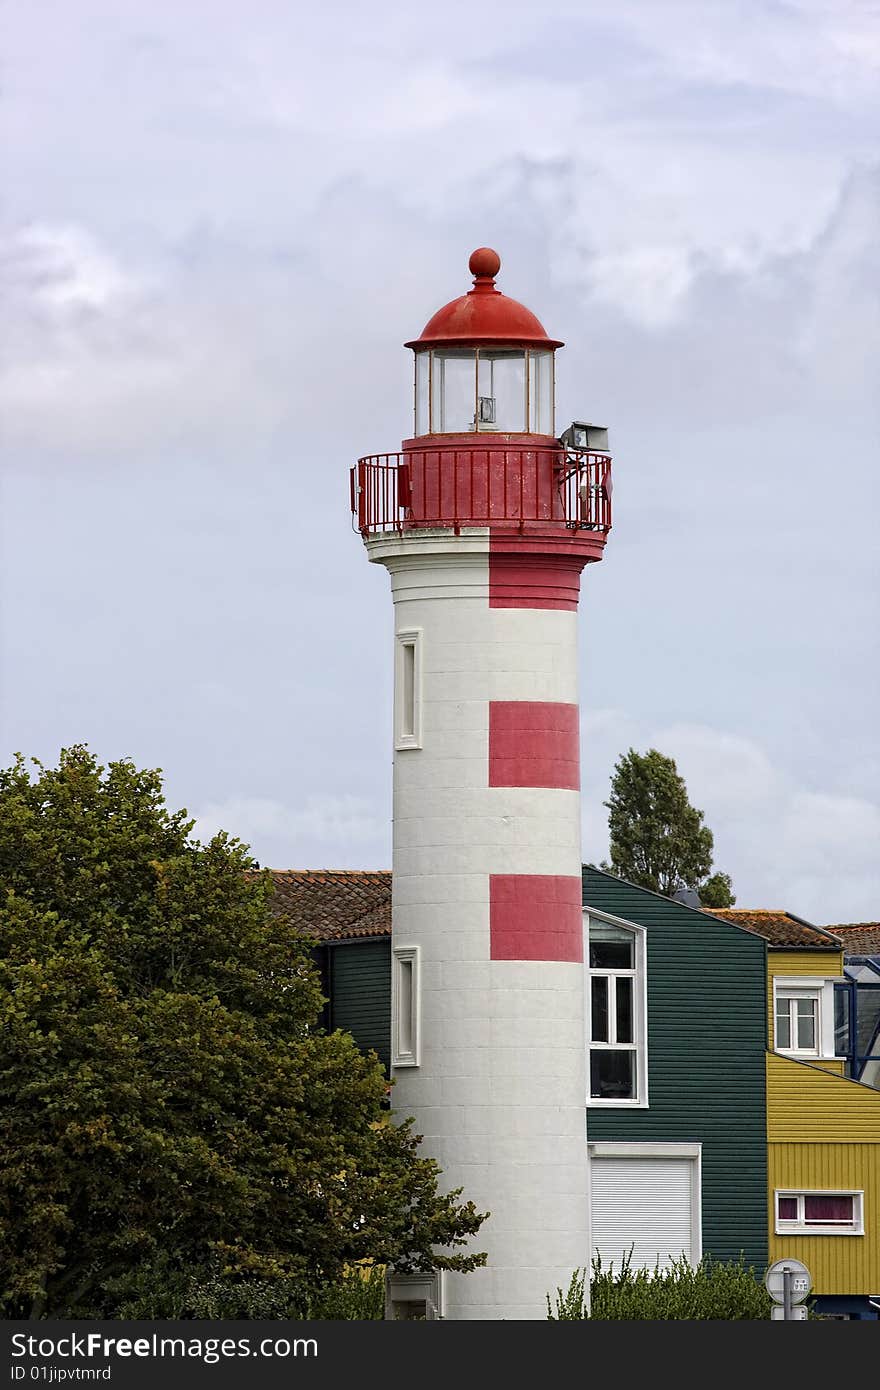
[(823, 1129)]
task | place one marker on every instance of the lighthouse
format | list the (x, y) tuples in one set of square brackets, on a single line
[(485, 520)]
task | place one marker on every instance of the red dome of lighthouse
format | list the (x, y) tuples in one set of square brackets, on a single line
[(484, 315)]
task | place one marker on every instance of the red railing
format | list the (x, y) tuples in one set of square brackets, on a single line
[(481, 487)]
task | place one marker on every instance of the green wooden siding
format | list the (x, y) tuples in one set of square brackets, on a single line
[(360, 994), (706, 1070)]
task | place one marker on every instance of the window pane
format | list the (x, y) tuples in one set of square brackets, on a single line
[(541, 392), (827, 1209), (453, 387), (611, 948), (788, 1208), (612, 1075), (599, 993), (423, 367), (841, 1020), (502, 378), (783, 1024), (408, 689), (806, 1022), (868, 1022), (624, 1011)]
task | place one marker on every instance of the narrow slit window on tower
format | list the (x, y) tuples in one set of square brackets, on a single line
[(407, 695), (405, 1007)]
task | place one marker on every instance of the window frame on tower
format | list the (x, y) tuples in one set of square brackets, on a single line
[(408, 688), (405, 1007), (627, 1037)]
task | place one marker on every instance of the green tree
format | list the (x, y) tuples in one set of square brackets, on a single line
[(167, 1102), (717, 891), (657, 839)]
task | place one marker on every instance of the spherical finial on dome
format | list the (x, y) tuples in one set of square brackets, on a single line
[(484, 262)]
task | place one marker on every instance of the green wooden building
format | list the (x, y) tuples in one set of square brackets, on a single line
[(676, 1119), (676, 1078)]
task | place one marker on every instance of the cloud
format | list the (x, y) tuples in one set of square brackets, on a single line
[(327, 831), (219, 231), (785, 844), (223, 343)]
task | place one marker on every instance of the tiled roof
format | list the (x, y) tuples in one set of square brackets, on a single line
[(335, 904), (859, 938), (348, 904), (777, 927)]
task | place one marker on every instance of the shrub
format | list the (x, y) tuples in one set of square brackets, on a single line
[(712, 1290), (160, 1290)]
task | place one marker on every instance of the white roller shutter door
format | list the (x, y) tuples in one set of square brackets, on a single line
[(648, 1202)]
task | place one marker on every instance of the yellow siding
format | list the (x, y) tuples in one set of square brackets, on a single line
[(821, 964), (824, 1133), (806, 1105), (838, 1264)]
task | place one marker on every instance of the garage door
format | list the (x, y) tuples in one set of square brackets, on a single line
[(646, 1198)]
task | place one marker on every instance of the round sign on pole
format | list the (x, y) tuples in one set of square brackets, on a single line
[(801, 1281)]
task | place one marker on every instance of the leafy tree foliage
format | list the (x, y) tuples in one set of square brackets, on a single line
[(657, 838), (717, 891), (166, 1098)]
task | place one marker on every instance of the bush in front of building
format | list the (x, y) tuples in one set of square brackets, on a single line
[(713, 1290), (161, 1289)]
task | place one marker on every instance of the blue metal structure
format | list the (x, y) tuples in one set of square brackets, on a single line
[(857, 1019)]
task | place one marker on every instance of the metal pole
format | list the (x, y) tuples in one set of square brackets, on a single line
[(786, 1295)]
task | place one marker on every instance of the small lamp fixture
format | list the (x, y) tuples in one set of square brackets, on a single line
[(581, 435)]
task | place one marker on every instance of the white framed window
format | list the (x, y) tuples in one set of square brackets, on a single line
[(408, 689), (405, 1006), (818, 1213), (803, 1016), (616, 1011)]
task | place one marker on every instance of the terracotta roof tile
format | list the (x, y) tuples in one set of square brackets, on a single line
[(335, 904), (350, 904), (778, 927), (859, 938)]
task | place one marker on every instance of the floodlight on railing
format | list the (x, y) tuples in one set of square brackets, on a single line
[(581, 435)]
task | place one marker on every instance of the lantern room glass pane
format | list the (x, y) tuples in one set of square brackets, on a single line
[(541, 393), (423, 372), (453, 390), (501, 390)]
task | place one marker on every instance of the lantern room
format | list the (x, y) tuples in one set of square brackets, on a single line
[(484, 364)]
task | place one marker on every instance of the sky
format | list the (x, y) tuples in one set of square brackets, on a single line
[(220, 224)]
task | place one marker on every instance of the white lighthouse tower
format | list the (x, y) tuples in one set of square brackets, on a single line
[(485, 521)]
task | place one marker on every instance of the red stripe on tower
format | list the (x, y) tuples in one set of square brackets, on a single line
[(533, 743), (535, 917)]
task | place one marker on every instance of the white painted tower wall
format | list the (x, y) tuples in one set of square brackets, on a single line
[(500, 1090)]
